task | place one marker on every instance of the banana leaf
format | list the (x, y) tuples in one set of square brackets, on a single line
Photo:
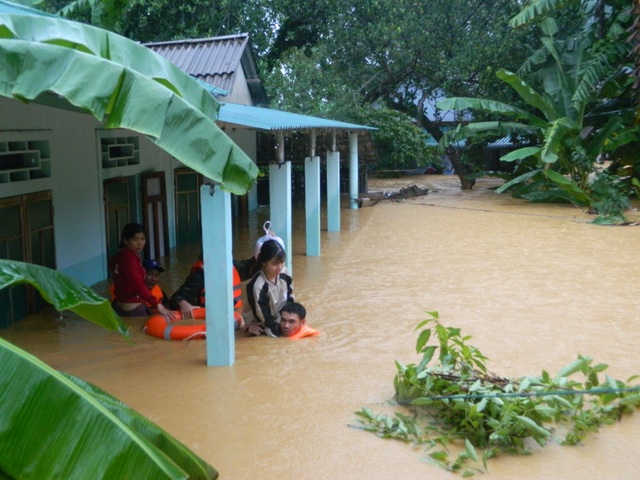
[(108, 46), (533, 11), (491, 106), (55, 426), (485, 129), (527, 93), (123, 85), (521, 153), (63, 292), (576, 195), (558, 132), (520, 179)]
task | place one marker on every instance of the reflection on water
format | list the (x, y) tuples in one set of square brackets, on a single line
[(534, 285)]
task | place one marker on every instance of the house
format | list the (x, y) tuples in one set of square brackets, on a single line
[(226, 63)]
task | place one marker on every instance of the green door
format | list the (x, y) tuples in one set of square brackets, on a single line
[(26, 235), (118, 210), (187, 188)]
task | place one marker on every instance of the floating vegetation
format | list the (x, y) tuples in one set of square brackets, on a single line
[(463, 414)]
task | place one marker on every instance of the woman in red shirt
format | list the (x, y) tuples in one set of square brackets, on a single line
[(131, 293)]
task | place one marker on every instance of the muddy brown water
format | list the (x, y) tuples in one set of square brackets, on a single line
[(534, 285)]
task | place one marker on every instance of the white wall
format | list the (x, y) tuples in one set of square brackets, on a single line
[(76, 181), (247, 140), (240, 91), (77, 176)]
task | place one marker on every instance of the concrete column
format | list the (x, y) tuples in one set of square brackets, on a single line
[(218, 264), (312, 204), (353, 170), (333, 187), (280, 205)]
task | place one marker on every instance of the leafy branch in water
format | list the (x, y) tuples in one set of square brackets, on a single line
[(456, 406)]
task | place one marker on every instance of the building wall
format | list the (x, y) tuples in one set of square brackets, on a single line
[(240, 91), (76, 180), (246, 139)]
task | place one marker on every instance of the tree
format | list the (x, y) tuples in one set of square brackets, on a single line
[(573, 123), (404, 54)]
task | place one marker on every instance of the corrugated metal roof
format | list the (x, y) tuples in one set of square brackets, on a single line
[(507, 142), (270, 120), (214, 60)]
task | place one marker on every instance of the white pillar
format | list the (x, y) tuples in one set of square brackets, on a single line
[(333, 187), (280, 205), (353, 170), (312, 204), (218, 279)]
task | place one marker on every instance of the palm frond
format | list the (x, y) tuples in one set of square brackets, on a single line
[(554, 136), (527, 93), (491, 106), (537, 10), (485, 130), (521, 153)]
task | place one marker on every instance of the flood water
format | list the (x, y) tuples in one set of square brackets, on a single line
[(534, 285)]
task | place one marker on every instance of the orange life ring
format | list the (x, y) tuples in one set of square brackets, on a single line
[(161, 327)]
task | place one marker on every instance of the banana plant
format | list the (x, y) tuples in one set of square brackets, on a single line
[(55, 425), (561, 137)]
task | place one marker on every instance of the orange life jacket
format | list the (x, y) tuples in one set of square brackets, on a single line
[(305, 331), (237, 288)]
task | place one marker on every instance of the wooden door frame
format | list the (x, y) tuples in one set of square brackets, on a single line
[(105, 188), (161, 199), (22, 201)]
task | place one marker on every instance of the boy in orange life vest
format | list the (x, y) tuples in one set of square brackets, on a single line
[(154, 270), (293, 323)]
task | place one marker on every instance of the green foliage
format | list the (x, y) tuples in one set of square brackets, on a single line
[(455, 406), (576, 85), (611, 198), (63, 292), (68, 428), (399, 142)]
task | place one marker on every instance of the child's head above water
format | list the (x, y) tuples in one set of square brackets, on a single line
[(271, 251), (153, 270)]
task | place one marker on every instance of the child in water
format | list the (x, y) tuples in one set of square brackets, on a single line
[(132, 296), (269, 290), (151, 280)]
